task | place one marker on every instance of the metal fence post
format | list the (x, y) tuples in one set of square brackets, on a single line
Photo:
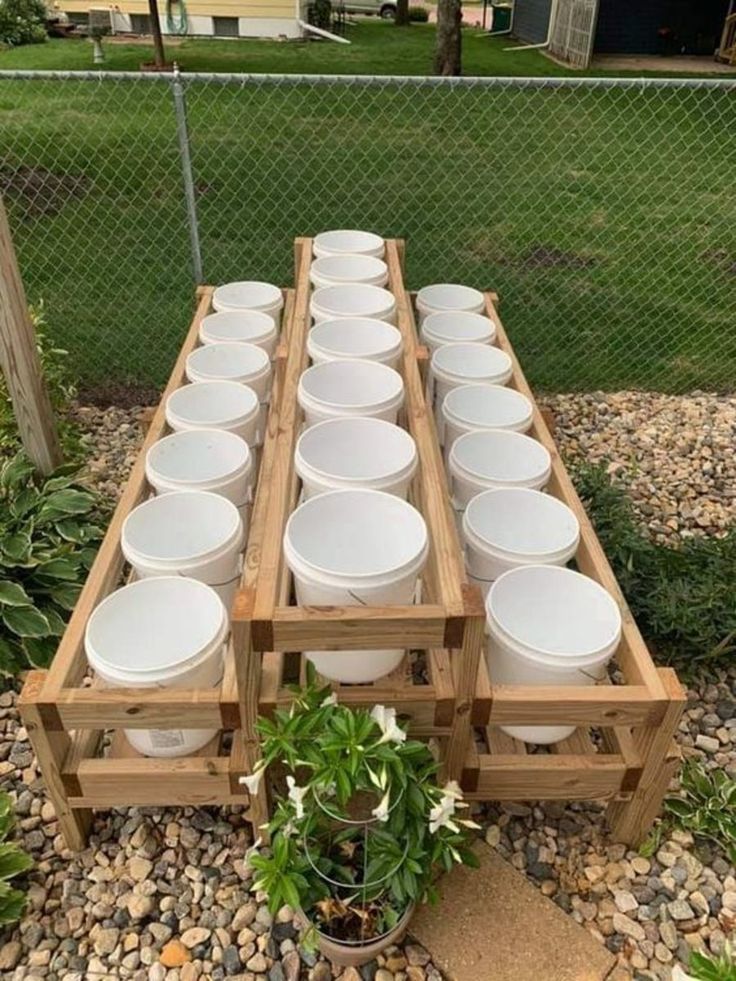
[(182, 132)]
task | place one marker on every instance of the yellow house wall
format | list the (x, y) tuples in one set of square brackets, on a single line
[(195, 8)]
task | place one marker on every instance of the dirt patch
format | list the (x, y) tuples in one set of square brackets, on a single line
[(42, 191), (123, 395), (722, 259), (541, 257)]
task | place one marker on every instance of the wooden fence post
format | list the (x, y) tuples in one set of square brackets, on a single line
[(20, 363)]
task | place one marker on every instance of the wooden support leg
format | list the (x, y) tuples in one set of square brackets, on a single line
[(630, 821), (51, 748), (466, 674)]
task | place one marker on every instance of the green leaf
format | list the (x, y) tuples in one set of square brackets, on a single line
[(40, 650), (61, 568), (26, 621), (70, 501), (65, 595), (13, 861), (15, 472), (13, 594), (12, 904), (17, 546)]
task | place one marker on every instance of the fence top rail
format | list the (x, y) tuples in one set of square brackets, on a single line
[(471, 81)]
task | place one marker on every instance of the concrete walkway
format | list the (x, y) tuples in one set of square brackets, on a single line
[(491, 924)]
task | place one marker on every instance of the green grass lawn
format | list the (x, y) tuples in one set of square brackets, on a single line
[(604, 218)]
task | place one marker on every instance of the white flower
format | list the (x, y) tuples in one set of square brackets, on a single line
[(296, 796), (441, 815), (252, 850), (385, 718), (380, 813), (288, 829), (452, 789), (330, 700), (253, 781), (679, 975)]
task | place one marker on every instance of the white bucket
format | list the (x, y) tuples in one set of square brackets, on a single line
[(332, 270), (503, 529), (354, 337), (203, 459), (453, 365), (456, 326), (441, 297), (495, 459), (216, 405), (348, 242), (242, 326), (250, 295), (167, 632), (350, 388), (352, 300), (189, 533), (470, 408), (244, 363), (355, 548), (354, 453), (549, 626)]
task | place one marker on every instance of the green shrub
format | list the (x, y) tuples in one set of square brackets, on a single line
[(13, 861), (710, 967), (418, 15), (684, 599), (48, 539), (705, 806), (22, 22)]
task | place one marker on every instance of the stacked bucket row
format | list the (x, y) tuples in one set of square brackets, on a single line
[(169, 627), (546, 624)]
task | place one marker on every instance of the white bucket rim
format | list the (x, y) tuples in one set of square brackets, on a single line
[(480, 537), (243, 463), (429, 298), (355, 268), (252, 326), (183, 609), (265, 296), (479, 328), (392, 396), (466, 361), (225, 537), (367, 301), (236, 391), (452, 406), (329, 501), (402, 440), (241, 359), (536, 574), (334, 241), (460, 468), (388, 340)]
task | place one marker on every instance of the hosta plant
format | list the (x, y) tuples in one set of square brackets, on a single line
[(13, 861), (709, 967), (362, 828), (49, 534), (706, 805)]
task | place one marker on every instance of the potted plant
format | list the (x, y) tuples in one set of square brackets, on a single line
[(361, 829)]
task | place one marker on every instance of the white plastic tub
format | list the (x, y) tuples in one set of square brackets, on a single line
[(549, 626), (355, 548), (353, 300), (355, 453), (350, 388), (216, 405), (441, 297), (496, 459), (190, 533), (503, 529), (229, 361), (167, 632), (453, 365), (354, 337), (469, 408), (203, 459), (456, 326), (332, 270), (242, 326), (250, 295), (346, 241)]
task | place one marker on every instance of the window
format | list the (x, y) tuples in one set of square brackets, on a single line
[(225, 26)]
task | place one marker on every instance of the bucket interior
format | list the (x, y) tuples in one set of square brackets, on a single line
[(350, 241), (488, 406), (498, 454), (355, 337), (552, 610), (228, 360), (353, 300), (237, 325), (350, 268), (247, 295), (353, 384), (450, 296), (356, 533), (182, 526), (522, 521), (198, 455), (459, 325), (468, 360), (155, 624), (212, 403), (356, 448)]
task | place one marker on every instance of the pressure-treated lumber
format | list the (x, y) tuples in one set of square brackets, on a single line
[(21, 364)]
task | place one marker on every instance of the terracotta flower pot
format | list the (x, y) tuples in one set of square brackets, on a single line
[(356, 953)]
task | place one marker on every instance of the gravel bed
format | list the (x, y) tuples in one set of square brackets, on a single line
[(163, 894)]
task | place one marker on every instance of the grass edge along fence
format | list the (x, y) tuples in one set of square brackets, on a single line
[(599, 208)]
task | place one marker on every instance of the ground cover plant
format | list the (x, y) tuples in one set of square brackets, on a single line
[(13, 863)]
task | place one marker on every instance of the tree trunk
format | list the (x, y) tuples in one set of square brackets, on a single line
[(447, 59), (159, 56), (402, 13)]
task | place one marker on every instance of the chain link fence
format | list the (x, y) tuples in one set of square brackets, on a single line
[(601, 210)]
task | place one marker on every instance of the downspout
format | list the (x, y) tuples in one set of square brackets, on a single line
[(544, 44), (311, 29)]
